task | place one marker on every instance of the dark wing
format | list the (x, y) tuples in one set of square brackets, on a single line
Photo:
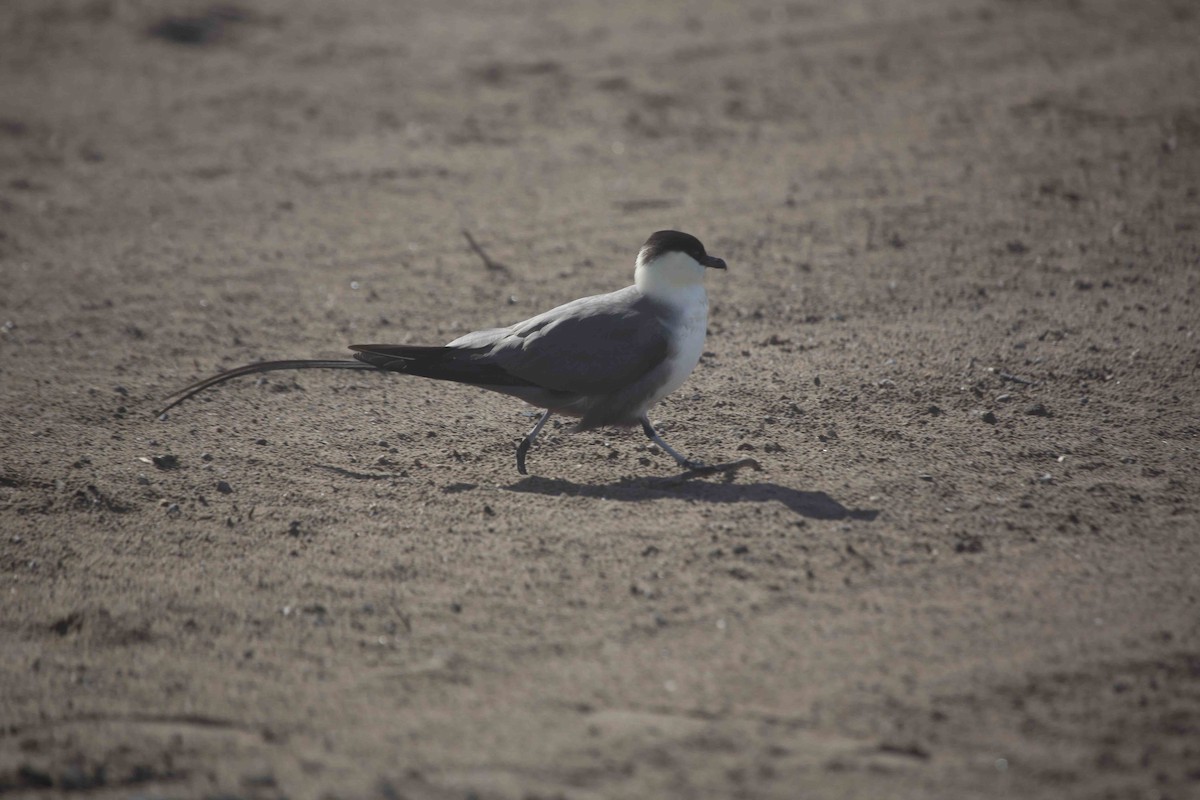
[(592, 346)]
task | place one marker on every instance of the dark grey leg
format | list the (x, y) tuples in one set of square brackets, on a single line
[(694, 467), (682, 460), (523, 447)]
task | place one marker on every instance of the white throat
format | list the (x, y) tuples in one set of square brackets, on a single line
[(674, 278)]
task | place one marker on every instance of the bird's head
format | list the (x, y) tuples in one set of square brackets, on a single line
[(671, 260)]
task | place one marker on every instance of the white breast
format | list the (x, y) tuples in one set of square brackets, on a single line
[(687, 340), (677, 280)]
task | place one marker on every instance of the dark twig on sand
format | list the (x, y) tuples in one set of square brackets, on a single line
[(1015, 379), (727, 467), (495, 266)]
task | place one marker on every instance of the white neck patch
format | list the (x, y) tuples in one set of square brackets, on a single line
[(671, 278)]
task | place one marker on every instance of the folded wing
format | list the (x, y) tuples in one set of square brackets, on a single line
[(604, 346)]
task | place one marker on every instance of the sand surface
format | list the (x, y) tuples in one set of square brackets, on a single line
[(958, 332)]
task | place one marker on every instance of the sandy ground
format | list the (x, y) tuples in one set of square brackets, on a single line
[(958, 332)]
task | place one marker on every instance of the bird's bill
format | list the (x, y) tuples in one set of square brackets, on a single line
[(713, 262)]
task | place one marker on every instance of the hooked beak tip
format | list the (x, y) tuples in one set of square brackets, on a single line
[(712, 262)]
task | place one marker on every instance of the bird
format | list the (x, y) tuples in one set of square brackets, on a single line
[(605, 360)]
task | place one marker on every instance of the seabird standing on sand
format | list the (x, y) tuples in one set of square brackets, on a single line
[(606, 359)]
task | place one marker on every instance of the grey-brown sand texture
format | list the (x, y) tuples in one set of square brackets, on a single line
[(958, 332)]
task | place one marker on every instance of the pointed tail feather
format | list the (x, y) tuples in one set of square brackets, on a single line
[(462, 365), (251, 369)]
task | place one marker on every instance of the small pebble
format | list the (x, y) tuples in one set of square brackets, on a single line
[(969, 544), (989, 418), (264, 780), (33, 777), (224, 488)]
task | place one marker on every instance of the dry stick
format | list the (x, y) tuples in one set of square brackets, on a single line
[(361, 476), (726, 467), (479, 251)]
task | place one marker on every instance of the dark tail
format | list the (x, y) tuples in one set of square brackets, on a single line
[(458, 364), (462, 365), (250, 369)]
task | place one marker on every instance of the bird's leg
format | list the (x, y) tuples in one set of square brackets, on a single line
[(689, 464), (682, 460), (523, 447)]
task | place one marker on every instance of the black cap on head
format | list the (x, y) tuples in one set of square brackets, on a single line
[(661, 242)]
